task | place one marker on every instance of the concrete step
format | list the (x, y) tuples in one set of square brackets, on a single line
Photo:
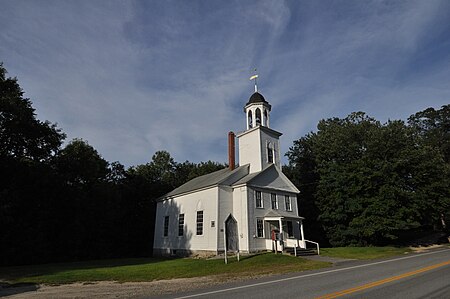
[(300, 251)]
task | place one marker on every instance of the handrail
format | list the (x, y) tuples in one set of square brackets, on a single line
[(317, 245)]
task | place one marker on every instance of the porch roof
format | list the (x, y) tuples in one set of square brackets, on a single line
[(276, 215)]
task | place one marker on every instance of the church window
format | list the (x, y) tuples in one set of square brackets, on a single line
[(273, 199), (287, 202), (166, 226), (180, 225), (199, 223), (269, 153), (290, 229), (250, 120), (257, 117), (259, 228), (258, 198)]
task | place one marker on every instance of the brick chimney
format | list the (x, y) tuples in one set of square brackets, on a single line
[(231, 151)]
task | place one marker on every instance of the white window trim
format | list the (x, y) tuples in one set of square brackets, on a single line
[(276, 201), (269, 147), (263, 230), (290, 203), (184, 225), (203, 223), (164, 226), (256, 200)]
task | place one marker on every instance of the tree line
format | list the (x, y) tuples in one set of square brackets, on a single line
[(367, 183), (67, 203), (361, 182)]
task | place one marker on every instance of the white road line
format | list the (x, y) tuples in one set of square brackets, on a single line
[(309, 275)]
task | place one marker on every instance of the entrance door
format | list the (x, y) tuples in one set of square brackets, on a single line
[(231, 234)]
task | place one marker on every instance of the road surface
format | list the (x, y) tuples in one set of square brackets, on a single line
[(416, 275)]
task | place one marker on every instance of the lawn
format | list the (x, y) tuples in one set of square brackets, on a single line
[(150, 269), (363, 253)]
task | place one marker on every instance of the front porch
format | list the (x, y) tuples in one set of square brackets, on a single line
[(283, 233)]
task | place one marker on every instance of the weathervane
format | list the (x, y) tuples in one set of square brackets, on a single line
[(254, 77)]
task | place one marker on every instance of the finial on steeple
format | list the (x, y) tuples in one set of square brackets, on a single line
[(254, 77)]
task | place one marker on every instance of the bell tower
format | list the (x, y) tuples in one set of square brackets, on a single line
[(258, 145), (257, 110)]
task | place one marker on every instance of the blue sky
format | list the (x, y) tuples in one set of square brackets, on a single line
[(134, 77)]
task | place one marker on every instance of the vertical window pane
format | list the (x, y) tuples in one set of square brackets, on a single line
[(166, 226), (269, 154), (259, 228), (273, 199), (199, 222), (287, 201), (258, 117), (181, 225), (258, 198)]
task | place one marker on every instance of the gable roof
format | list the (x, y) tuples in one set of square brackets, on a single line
[(270, 177), (221, 177)]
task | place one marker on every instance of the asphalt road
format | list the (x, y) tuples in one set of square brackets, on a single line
[(417, 275)]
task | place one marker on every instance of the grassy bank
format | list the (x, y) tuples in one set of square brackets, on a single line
[(363, 253), (155, 269)]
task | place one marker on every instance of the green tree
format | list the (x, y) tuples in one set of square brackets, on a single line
[(21, 134), (161, 169), (370, 182), (28, 184), (80, 163), (302, 171), (434, 127)]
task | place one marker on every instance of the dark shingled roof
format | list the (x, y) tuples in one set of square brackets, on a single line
[(232, 178), (221, 177), (256, 98)]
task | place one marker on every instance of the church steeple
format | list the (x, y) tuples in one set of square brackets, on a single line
[(258, 144)]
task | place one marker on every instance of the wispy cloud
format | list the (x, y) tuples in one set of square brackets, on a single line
[(136, 77)]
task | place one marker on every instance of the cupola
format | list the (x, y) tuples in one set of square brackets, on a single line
[(257, 111)]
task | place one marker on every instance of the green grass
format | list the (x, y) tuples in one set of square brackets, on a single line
[(125, 270), (363, 253)]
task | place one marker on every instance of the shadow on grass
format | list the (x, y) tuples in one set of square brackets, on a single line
[(8, 289), (232, 258), (15, 272), (251, 256)]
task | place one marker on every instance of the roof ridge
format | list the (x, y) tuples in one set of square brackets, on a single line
[(204, 181)]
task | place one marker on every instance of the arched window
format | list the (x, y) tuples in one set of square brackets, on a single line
[(265, 118), (269, 153), (258, 117), (250, 120)]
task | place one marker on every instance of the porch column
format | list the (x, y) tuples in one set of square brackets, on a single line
[(301, 231), (281, 234)]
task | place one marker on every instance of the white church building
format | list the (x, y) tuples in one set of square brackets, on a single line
[(239, 208)]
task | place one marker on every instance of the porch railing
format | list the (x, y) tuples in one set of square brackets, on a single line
[(317, 245)]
